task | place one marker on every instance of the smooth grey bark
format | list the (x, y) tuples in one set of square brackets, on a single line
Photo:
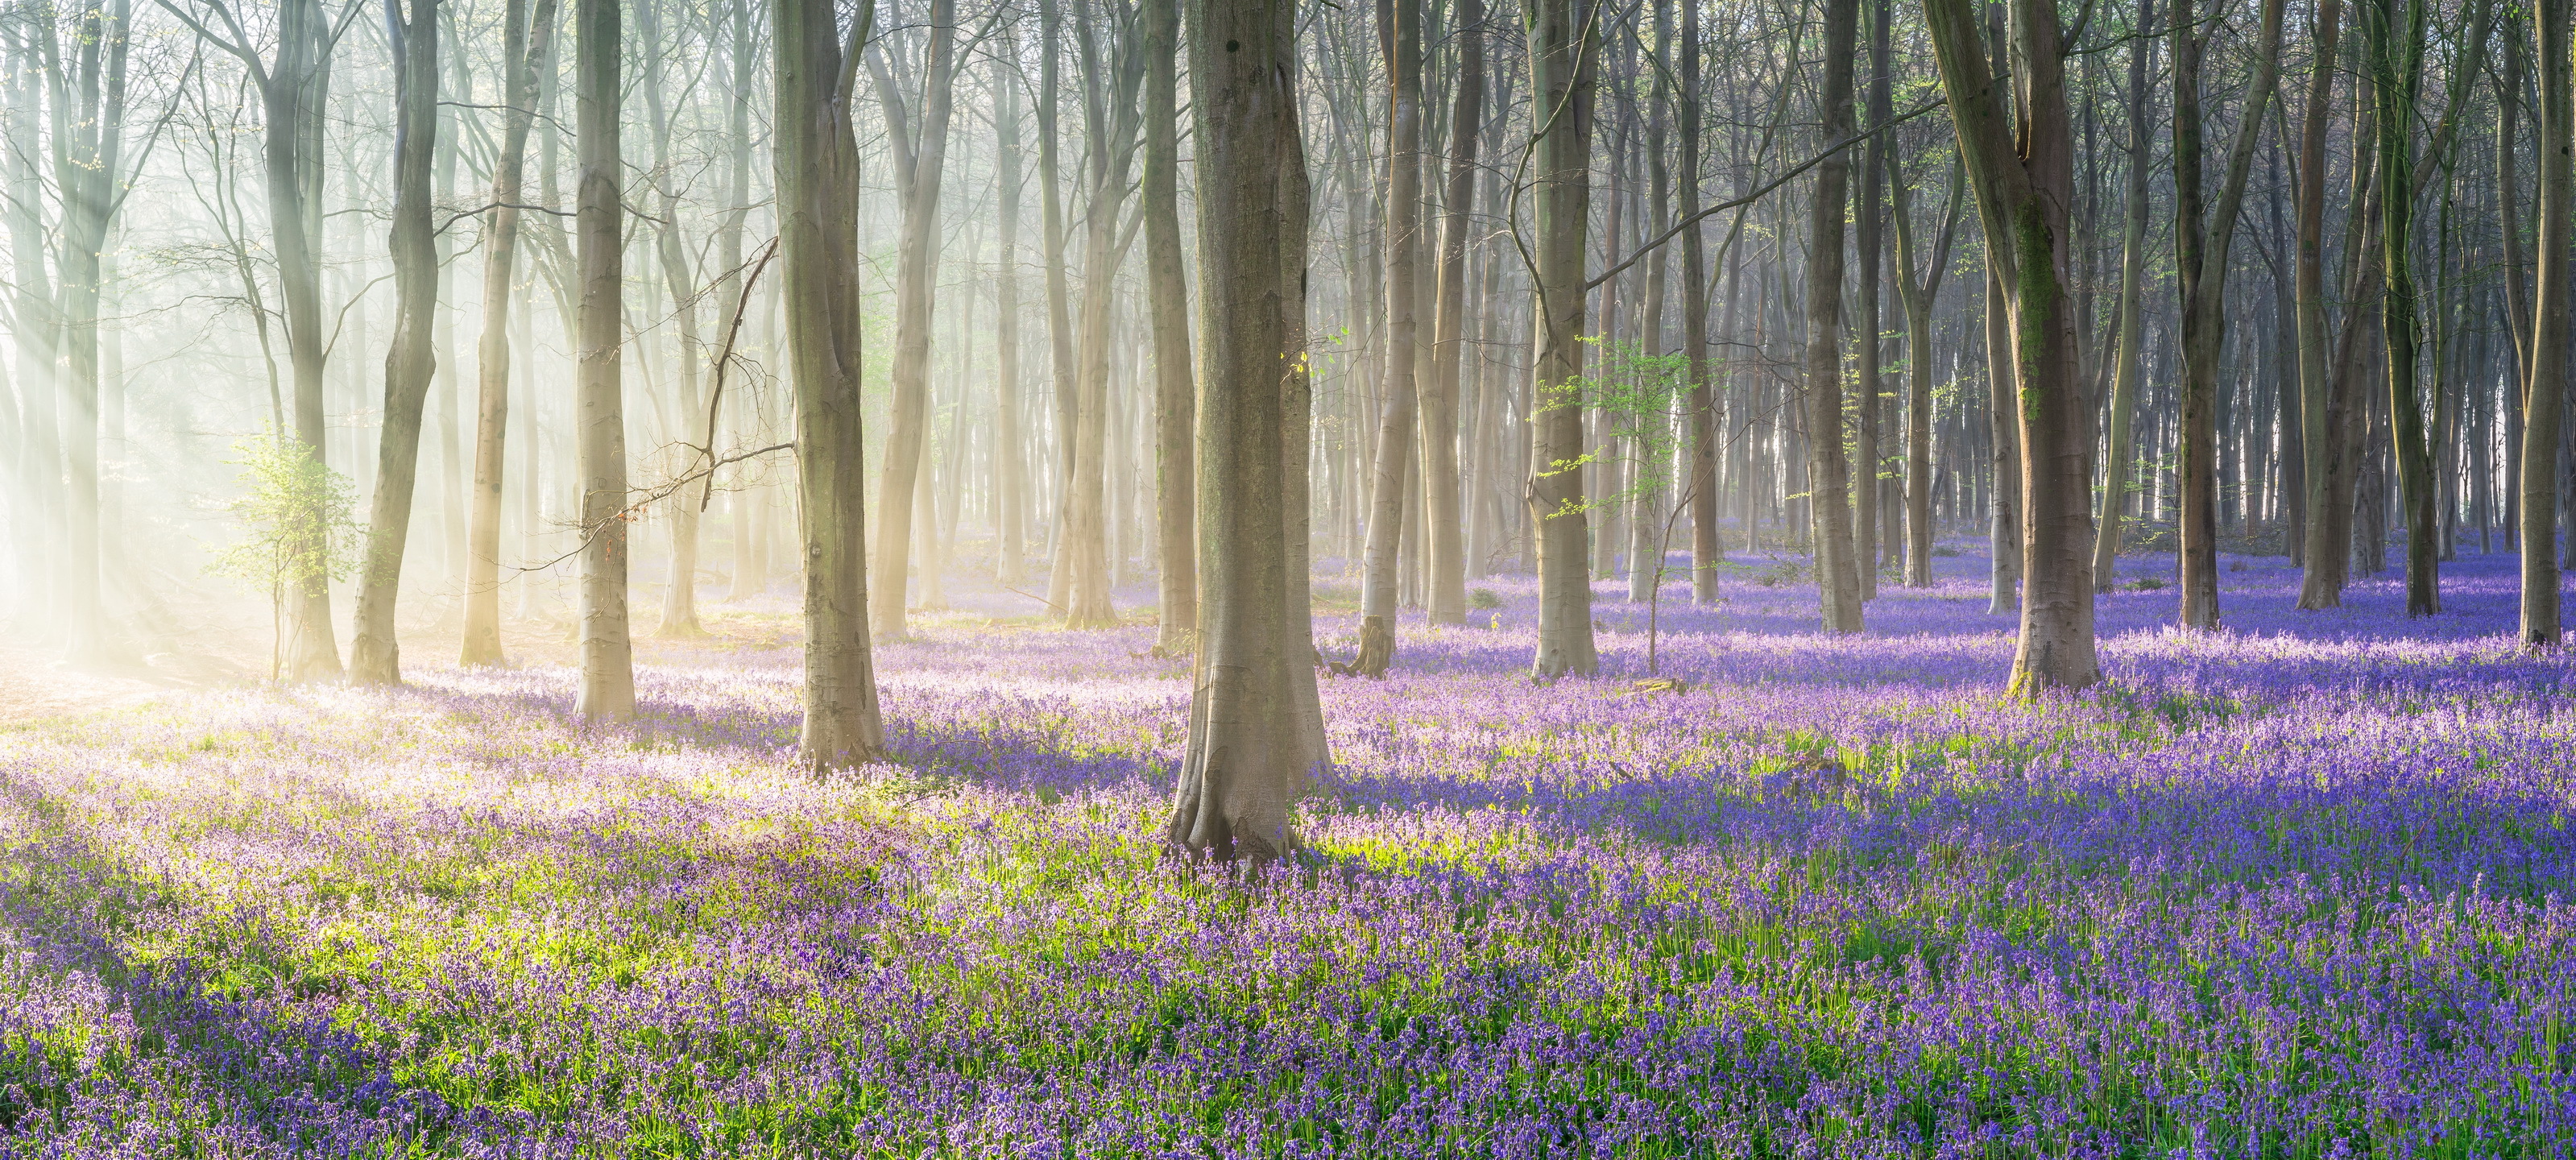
[(2545, 394), (375, 656), (526, 50), (1059, 297), (1391, 464), (292, 87), (1564, 56), (1828, 472), (917, 139), (817, 162), (88, 110), (607, 692), (1249, 755), (1918, 290), (2323, 397), (2127, 328), (2201, 243), (1869, 241), (1443, 521), (1167, 301), (1010, 464), (1706, 550), (679, 280), (2022, 170)]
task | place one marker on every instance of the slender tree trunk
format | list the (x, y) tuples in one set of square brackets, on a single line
[(524, 55), (920, 150), (289, 101), (2003, 436), (607, 652), (1706, 551), (1444, 532), (1391, 467), (1059, 299), (1564, 53), (2133, 257), (375, 656), (2024, 188), (2545, 397), (817, 162), (1919, 290), (1247, 733), (2396, 36), (2201, 246), (1829, 476), (89, 114), (2327, 554), (1011, 499), (1168, 303), (1869, 245)]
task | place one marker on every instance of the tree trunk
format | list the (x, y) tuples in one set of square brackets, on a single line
[(1829, 476), (375, 656), (290, 102), (524, 55), (919, 161), (1177, 611), (1444, 531), (2201, 249), (1869, 245), (2003, 435), (1564, 51), (607, 652), (2546, 394), (1400, 22), (89, 114), (2127, 356), (1919, 290), (2397, 70), (1109, 117), (1706, 551), (680, 599), (2327, 554), (1011, 492), (2023, 190), (1058, 299), (1243, 767), (817, 189)]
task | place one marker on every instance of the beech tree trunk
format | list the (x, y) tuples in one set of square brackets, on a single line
[(817, 160), (1444, 524), (917, 136), (2545, 395), (1167, 302), (2127, 329), (1828, 472), (1564, 54), (1400, 24), (1010, 475), (525, 46), (1706, 551), (2024, 187), (1248, 749), (2201, 246), (607, 650), (375, 656)]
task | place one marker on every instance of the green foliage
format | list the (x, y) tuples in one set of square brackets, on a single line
[(1637, 395), (297, 514)]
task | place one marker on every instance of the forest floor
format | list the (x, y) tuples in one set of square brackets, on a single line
[(2298, 888)]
